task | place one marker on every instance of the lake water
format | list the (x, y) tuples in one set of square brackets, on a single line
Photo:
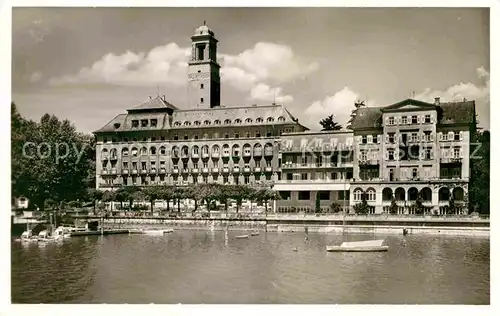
[(194, 267)]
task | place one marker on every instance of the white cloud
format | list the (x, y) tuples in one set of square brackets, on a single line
[(340, 104), (264, 92), (259, 71), (469, 91), (163, 64), (35, 77), (269, 61)]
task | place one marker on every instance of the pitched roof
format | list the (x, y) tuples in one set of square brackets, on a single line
[(458, 112), (461, 112), (235, 116), (154, 103), (367, 117), (199, 118)]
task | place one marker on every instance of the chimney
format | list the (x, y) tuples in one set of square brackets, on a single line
[(436, 100), (150, 97)]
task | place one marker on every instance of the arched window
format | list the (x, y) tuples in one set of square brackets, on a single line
[(400, 194), (358, 194), (237, 121), (152, 150), (187, 123), (281, 119), (412, 194), (370, 194), (270, 119), (125, 151), (163, 150), (196, 150), (227, 122), (206, 122), (185, 151), (259, 120), (177, 123), (144, 151), (217, 122), (458, 194), (426, 194), (134, 152), (236, 150), (197, 123), (386, 194), (225, 150), (104, 153), (248, 120), (444, 194), (113, 153), (215, 149), (175, 152)]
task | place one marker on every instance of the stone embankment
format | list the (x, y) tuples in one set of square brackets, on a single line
[(458, 226)]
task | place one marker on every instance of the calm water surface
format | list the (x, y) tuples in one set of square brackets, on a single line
[(203, 267)]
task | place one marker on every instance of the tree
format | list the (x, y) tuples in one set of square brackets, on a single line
[(94, 195), (335, 207), (49, 159), (362, 207), (393, 208), (318, 203), (479, 185), (265, 195), (152, 193), (329, 124), (167, 194)]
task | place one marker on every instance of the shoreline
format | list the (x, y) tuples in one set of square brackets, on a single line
[(471, 229)]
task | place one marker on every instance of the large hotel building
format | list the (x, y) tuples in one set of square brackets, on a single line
[(400, 152)]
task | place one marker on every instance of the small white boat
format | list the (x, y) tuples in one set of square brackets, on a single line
[(62, 232), (156, 232), (45, 236), (254, 234), (241, 237), (359, 246)]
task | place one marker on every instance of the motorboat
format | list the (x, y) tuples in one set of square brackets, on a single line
[(359, 246), (254, 234), (242, 236)]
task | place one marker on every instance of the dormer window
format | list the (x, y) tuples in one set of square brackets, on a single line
[(227, 122), (259, 120), (270, 119), (391, 120), (217, 122), (135, 123), (281, 119), (153, 122), (206, 122), (248, 120), (187, 123), (197, 123), (116, 125), (177, 123), (237, 121), (144, 123)]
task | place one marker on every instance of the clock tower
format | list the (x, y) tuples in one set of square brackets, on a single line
[(203, 70)]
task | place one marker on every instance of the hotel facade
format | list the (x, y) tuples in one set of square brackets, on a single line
[(400, 152)]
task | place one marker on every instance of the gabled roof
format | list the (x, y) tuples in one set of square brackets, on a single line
[(401, 104), (153, 104)]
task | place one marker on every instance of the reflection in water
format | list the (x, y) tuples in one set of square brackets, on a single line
[(215, 267)]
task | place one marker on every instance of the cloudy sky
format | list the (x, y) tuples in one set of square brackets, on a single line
[(89, 64)]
